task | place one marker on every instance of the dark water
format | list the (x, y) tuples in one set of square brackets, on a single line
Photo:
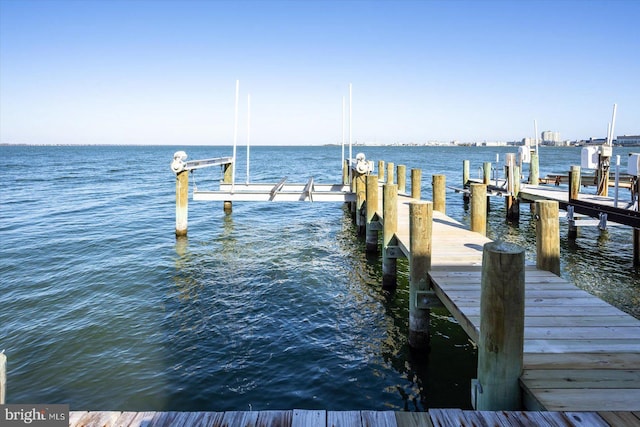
[(272, 307)]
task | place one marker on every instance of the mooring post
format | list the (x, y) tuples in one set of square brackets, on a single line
[(486, 180), (380, 170), (3, 377), (547, 236), (182, 203), (439, 193), (500, 344), (420, 226), (513, 177), (402, 178), (371, 207), (636, 232), (416, 183), (574, 191), (227, 179), (534, 170), (361, 198), (345, 172), (390, 171), (389, 248), (479, 208), (465, 179)]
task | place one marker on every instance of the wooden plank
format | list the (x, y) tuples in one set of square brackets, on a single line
[(581, 378), (343, 418), (378, 419), (309, 418), (239, 419), (620, 419), (97, 419), (413, 419), (589, 399), (587, 419), (274, 418), (447, 417)]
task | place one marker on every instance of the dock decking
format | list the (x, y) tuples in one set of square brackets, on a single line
[(312, 418), (580, 353)]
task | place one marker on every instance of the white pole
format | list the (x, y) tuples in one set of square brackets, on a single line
[(248, 132), (350, 138), (235, 137), (343, 113), (613, 124), (535, 130), (615, 193)]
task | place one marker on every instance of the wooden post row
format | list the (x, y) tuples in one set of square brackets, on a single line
[(500, 344)]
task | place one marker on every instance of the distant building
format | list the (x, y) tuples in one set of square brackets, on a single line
[(628, 140), (550, 138)]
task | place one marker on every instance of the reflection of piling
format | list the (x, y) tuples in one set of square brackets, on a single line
[(182, 203), (500, 343), (420, 226)]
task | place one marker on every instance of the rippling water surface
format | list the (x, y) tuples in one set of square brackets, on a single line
[(272, 307)]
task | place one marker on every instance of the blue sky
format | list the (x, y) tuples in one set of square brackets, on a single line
[(164, 72)]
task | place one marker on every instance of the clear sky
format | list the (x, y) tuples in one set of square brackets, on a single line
[(164, 71)]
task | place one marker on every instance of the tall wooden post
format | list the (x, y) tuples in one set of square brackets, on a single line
[(361, 197), (479, 208), (182, 203), (420, 226), (371, 209), (486, 180), (534, 171), (390, 219), (416, 183), (390, 172), (402, 178), (574, 191), (227, 179), (465, 179), (345, 172), (513, 177), (439, 193), (380, 170), (547, 236), (3, 378), (500, 344)]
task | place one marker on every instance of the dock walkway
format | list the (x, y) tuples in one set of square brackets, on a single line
[(580, 353), (320, 418)]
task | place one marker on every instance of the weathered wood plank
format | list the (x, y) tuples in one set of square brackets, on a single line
[(581, 378), (620, 419), (274, 418), (447, 417), (97, 419), (239, 419), (343, 418), (308, 418), (413, 419), (378, 419), (589, 399)]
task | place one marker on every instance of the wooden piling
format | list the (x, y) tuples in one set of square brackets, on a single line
[(416, 183), (439, 193), (182, 203), (227, 179), (465, 179), (500, 343), (380, 170), (390, 172), (534, 171), (513, 177), (401, 171), (636, 232), (547, 236), (389, 249), (486, 180), (371, 207), (345, 172), (3, 378), (574, 182), (479, 208), (361, 197), (420, 227)]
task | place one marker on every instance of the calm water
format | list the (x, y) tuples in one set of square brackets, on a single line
[(272, 307)]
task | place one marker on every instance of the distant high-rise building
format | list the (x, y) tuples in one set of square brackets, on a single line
[(550, 137)]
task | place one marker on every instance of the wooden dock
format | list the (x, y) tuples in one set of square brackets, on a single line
[(580, 353), (321, 418)]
